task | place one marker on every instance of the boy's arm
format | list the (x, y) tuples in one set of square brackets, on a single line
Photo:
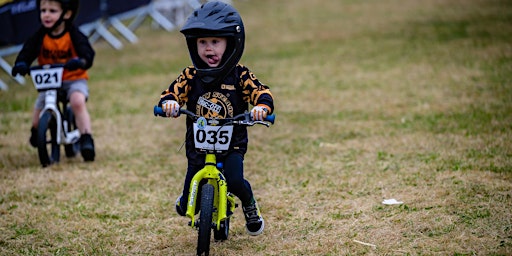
[(30, 49), (256, 93), (178, 89), (83, 47), (27, 54)]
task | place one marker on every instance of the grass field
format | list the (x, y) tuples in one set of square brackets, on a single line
[(375, 99)]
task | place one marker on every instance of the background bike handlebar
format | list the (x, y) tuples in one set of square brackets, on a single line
[(158, 111), (47, 66)]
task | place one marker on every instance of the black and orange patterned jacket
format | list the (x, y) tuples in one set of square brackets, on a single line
[(233, 96), (54, 50)]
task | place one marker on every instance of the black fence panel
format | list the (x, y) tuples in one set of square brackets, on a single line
[(89, 11), (19, 19), (119, 6), (7, 32)]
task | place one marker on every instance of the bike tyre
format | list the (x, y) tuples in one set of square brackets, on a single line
[(47, 147), (71, 149), (223, 232), (205, 220)]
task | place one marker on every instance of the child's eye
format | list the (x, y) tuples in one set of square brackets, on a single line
[(48, 10)]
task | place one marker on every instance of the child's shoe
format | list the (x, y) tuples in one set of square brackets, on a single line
[(33, 137), (87, 147), (253, 219)]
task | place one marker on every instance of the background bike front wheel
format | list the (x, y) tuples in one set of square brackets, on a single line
[(47, 147)]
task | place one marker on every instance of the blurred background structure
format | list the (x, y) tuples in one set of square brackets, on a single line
[(96, 18)]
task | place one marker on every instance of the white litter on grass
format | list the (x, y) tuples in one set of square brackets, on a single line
[(391, 201), (363, 243)]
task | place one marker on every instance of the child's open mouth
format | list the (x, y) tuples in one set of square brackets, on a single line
[(212, 59)]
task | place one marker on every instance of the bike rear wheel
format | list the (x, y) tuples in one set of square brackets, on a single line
[(47, 147), (71, 149), (205, 220)]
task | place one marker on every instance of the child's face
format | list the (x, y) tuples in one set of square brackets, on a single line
[(50, 12), (211, 49)]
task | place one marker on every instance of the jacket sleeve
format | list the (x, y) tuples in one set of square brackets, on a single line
[(82, 46), (255, 92), (179, 88), (31, 48)]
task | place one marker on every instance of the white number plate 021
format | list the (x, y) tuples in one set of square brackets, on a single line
[(207, 137), (47, 78)]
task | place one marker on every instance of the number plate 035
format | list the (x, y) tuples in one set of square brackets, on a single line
[(207, 137)]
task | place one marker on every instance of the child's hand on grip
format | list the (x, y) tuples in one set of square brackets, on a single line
[(171, 108), (259, 112)]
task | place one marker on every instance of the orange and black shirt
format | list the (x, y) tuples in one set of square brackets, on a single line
[(48, 49)]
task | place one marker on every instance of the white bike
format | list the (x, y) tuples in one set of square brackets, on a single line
[(56, 122)]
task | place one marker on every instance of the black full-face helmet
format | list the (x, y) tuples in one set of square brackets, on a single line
[(67, 5), (70, 5), (215, 19)]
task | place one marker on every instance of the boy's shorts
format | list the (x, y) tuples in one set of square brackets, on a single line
[(68, 87)]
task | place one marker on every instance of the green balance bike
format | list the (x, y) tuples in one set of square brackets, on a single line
[(212, 136)]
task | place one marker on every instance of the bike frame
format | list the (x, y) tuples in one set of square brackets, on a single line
[(52, 105), (214, 176)]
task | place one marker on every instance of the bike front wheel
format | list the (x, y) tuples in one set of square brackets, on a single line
[(205, 220), (47, 147)]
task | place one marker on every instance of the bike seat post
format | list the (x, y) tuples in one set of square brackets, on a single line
[(51, 97), (211, 159)]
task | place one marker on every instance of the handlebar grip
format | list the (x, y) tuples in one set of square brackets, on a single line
[(270, 118), (158, 111)]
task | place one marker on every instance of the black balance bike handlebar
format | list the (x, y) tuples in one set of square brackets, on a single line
[(241, 119)]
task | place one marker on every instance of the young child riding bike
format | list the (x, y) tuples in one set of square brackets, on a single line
[(59, 41), (218, 86)]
